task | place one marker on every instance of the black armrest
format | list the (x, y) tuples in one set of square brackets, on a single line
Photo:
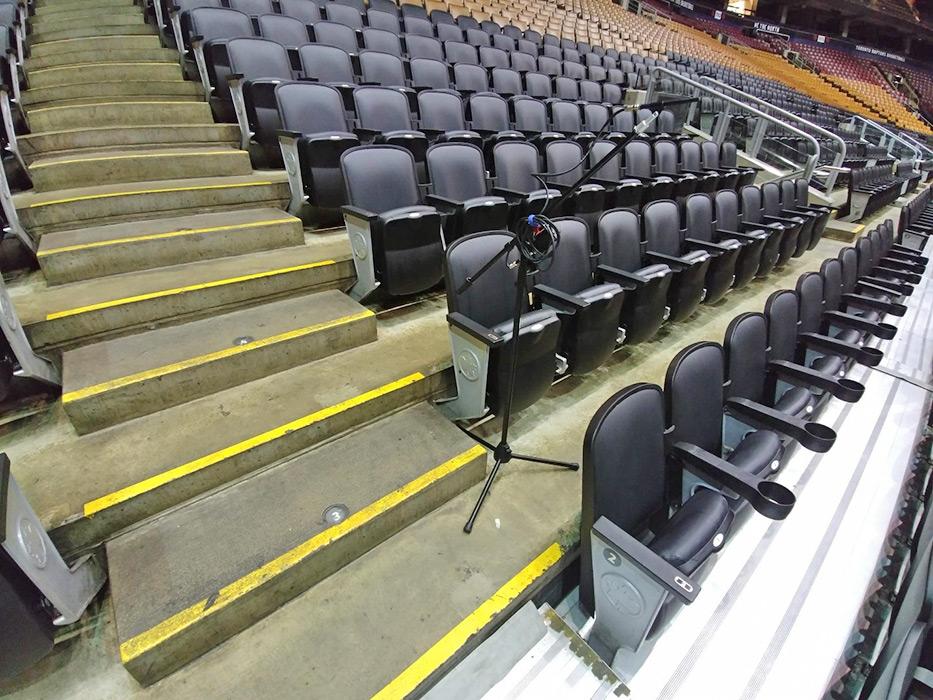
[(474, 329), (762, 226), (798, 375), (813, 436), (888, 286), (885, 331), (909, 277), (908, 251), (442, 203), (660, 570), (512, 196), (870, 357), (780, 220), (358, 213), (769, 498), (628, 280), (794, 212), (643, 180), (714, 248), (887, 307), (915, 260), (725, 233), (558, 299), (900, 264), (235, 77), (670, 261), (365, 134), (285, 133)]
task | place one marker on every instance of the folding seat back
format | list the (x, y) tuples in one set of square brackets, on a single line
[(590, 310), (288, 31), (315, 116), (526, 46), (181, 25), (566, 159), (572, 69), (595, 117), (458, 176), (506, 81), (396, 241), (664, 241), (590, 91), (565, 117), (343, 14), (477, 38), (388, 6), (489, 113), (505, 43), (358, 5), (515, 161), (523, 62), (419, 26), (466, 22), (424, 47), (441, 17), (566, 88), (694, 398), (667, 163), (469, 78), (572, 56), (336, 34), (729, 159), (490, 27), (538, 85), (645, 308), (638, 159), (551, 52), (387, 21), (261, 63), (624, 121), (512, 32), (794, 227), (414, 11), (252, 7), (307, 12), (746, 357), (382, 40), (489, 302), (753, 214), (326, 64), (459, 52), (379, 68), (530, 115), (440, 111), (691, 161), (493, 58), (215, 25), (548, 66), (449, 32), (382, 109), (597, 74), (532, 36)]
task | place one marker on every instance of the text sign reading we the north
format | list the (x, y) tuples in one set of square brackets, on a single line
[(770, 28), (683, 3), (879, 52)]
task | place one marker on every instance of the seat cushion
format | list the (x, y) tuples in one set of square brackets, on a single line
[(600, 291), (794, 401), (730, 243), (484, 201), (848, 335), (690, 536), (757, 453), (869, 315), (653, 271), (527, 320), (406, 212), (828, 364), (695, 256)]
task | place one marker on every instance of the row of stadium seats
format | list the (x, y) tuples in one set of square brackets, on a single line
[(709, 441)]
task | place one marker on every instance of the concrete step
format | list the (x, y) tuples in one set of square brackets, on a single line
[(52, 6), (74, 314), (80, 254), (152, 463), (141, 113), (104, 55), (113, 91), (192, 578), (90, 44), (72, 141), (42, 23), (148, 372), (137, 28), (108, 204), (82, 9), (101, 168), (78, 74)]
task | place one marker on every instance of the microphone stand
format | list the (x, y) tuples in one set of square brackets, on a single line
[(502, 451)]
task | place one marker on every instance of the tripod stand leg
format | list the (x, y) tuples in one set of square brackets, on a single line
[(468, 528), (553, 462), (485, 443)]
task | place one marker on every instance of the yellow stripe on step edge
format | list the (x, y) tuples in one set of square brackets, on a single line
[(98, 65), (141, 487), (159, 372), (183, 290), (110, 104), (163, 190), (163, 154), (413, 676), (165, 630), (165, 234)]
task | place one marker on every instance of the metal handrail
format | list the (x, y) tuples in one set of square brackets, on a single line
[(841, 150), (885, 132), (764, 118), (920, 146)]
